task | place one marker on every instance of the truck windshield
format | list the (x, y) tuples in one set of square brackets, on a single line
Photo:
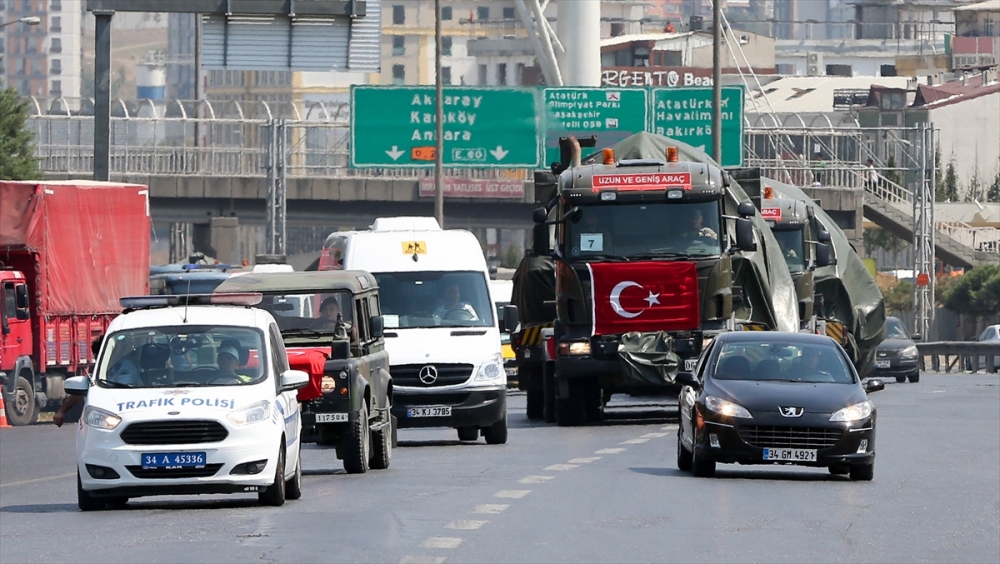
[(184, 356), (434, 299), (793, 248), (644, 230)]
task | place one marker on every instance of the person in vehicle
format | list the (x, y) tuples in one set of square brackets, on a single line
[(328, 312), (228, 359), (694, 234), (453, 303)]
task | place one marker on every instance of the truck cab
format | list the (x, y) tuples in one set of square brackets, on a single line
[(16, 345), (791, 224)]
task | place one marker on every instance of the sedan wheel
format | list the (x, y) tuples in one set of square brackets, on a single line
[(683, 456), (700, 466)]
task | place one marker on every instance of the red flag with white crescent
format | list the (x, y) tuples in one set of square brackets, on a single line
[(644, 296)]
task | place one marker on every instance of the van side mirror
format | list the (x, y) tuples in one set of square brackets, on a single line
[(77, 385), (744, 234), (511, 318), (746, 209), (376, 325), (823, 236), (540, 239), (687, 379), (823, 256)]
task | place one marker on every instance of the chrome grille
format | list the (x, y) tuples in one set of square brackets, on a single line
[(174, 432), (447, 375), (186, 472), (790, 437)]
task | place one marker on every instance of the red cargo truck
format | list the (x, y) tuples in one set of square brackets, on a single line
[(68, 251)]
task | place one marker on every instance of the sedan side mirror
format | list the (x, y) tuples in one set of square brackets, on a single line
[(744, 235), (377, 326), (687, 379), (293, 380), (77, 385), (511, 318), (874, 385), (917, 337)]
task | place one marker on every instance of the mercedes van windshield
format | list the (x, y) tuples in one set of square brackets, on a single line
[(435, 299)]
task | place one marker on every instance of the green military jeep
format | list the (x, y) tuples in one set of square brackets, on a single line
[(331, 325)]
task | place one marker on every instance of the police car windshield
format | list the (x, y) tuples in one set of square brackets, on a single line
[(644, 230), (434, 299), (184, 356), (792, 248), (782, 362)]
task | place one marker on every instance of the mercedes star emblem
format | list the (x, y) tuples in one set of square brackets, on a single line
[(428, 375)]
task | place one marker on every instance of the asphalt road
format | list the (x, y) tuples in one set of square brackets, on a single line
[(609, 493)]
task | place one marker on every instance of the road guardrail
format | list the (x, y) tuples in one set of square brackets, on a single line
[(959, 356)]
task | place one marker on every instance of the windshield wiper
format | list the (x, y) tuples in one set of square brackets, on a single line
[(114, 384), (600, 256), (660, 254)]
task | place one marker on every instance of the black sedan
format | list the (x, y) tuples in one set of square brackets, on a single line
[(776, 398), (896, 356)]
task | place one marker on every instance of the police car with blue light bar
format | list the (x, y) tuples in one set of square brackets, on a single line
[(191, 394)]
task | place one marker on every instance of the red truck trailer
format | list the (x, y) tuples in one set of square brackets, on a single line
[(68, 251)]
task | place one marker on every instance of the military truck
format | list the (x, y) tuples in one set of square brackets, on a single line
[(653, 255)]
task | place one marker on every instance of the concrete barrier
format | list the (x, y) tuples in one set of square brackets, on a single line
[(959, 356)]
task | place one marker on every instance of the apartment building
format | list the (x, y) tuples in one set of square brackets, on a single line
[(42, 60)]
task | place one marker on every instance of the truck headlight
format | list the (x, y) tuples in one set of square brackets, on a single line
[(492, 368), (97, 417), (575, 348), (854, 412), (909, 352), (727, 408), (254, 413)]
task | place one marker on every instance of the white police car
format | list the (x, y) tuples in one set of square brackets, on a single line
[(190, 395)]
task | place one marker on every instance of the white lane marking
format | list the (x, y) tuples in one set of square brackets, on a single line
[(465, 525), (535, 479), (489, 509), (633, 442), (442, 542), (669, 427), (584, 460), (557, 467), (610, 451), (654, 435), (422, 560), (36, 480), (512, 494)]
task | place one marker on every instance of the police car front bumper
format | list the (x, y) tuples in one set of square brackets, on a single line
[(110, 467)]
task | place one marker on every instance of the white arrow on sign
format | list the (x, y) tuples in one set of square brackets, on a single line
[(395, 153), (499, 153)]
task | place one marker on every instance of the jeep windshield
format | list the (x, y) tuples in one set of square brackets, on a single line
[(792, 248), (310, 313), (182, 356), (644, 231), (434, 299)]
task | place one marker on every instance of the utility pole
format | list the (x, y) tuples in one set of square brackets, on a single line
[(717, 80), (438, 120), (102, 95)]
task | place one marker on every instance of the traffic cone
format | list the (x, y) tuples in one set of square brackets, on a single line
[(3, 413)]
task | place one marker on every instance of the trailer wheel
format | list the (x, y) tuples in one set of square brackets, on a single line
[(20, 403)]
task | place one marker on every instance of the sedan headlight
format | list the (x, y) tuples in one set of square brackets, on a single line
[(854, 412), (727, 408), (254, 413), (492, 368), (909, 352), (97, 417)]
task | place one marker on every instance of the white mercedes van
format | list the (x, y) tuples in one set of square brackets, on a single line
[(441, 329)]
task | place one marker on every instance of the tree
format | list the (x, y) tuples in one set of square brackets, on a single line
[(511, 258), (17, 151), (950, 188), (882, 239), (976, 293), (938, 177), (993, 194), (899, 297)]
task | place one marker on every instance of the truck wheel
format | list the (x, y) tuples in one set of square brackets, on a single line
[(293, 487), (357, 443), (274, 495), (536, 404), (549, 394), (382, 447), (572, 411), (84, 500), (20, 404), (593, 401), (496, 434)]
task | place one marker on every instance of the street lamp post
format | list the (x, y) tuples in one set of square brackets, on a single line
[(438, 120), (26, 20)]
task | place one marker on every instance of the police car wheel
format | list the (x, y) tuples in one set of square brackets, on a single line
[(293, 487), (274, 495), (357, 443), (84, 500)]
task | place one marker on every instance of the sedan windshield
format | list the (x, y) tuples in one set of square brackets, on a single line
[(184, 356), (644, 230), (792, 248), (894, 330), (435, 299), (783, 362)]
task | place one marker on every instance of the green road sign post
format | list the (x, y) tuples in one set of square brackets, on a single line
[(610, 114), (483, 127), (685, 114)]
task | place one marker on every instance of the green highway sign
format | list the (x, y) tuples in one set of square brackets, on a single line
[(483, 127), (685, 114), (610, 114)]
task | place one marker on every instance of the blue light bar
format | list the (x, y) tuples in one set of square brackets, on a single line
[(141, 302)]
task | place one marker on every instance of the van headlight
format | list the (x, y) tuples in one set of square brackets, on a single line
[(97, 417), (854, 412), (254, 413), (491, 369)]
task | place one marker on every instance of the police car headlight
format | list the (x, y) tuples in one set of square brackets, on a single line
[(251, 414), (492, 368), (97, 417), (854, 412)]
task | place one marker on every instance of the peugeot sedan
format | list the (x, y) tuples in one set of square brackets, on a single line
[(776, 398)]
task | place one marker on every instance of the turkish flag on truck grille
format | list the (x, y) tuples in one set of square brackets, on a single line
[(644, 296)]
